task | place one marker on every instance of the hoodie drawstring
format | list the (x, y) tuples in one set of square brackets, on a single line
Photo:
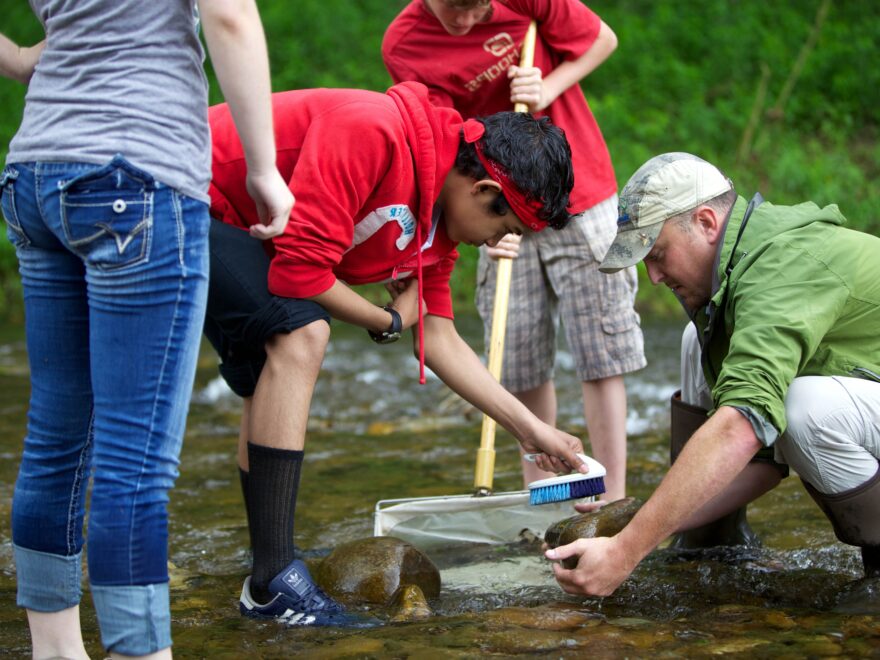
[(421, 316)]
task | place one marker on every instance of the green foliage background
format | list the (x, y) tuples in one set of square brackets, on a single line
[(782, 96)]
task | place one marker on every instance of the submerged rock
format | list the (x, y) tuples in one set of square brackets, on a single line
[(554, 617), (371, 570), (607, 521), (408, 603)]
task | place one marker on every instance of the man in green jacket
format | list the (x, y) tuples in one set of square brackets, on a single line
[(786, 306)]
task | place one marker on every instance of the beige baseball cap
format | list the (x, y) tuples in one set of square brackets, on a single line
[(665, 186)]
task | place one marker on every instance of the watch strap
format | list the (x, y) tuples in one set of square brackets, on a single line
[(393, 332)]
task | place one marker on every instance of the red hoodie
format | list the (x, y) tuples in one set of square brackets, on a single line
[(366, 169)]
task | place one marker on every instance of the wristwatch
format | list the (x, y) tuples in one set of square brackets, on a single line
[(392, 334)]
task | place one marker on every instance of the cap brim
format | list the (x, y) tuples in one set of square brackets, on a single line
[(630, 247)]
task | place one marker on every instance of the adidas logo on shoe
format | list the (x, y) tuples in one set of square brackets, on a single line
[(295, 581)]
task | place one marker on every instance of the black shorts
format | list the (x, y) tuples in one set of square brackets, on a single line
[(242, 315)]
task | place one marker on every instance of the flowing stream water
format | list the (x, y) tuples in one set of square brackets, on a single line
[(374, 434)]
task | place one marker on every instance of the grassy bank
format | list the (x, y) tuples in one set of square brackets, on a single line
[(782, 96)]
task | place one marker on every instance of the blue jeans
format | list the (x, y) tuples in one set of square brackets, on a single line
[(114, 269)]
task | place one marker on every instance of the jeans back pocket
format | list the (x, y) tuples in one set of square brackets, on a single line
[(14, 231), (107, 215)]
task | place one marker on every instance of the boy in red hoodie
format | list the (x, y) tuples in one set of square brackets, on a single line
[(467, 53), (386, 185)]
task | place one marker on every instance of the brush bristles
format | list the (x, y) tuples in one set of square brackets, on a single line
[(573, 490)]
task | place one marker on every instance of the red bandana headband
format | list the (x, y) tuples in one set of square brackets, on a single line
[(525, 209)]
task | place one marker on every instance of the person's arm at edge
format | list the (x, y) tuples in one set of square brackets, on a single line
[(235, 39), (710, 461), (450, 357), (566, 74), (18, 62)]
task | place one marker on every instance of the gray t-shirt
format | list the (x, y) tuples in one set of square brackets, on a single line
[(120, 76)]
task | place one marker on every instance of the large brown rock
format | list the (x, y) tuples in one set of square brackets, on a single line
[(371, 570), (607, 521)]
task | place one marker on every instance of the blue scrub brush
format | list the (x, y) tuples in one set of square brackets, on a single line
[(569, 486)]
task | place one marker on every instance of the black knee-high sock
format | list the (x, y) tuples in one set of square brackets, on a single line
[(272, 485), (243, 478)]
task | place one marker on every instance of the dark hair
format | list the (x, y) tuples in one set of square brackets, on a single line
[(535, 155)]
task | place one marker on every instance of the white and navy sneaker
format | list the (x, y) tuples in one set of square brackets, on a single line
[(298, 601)]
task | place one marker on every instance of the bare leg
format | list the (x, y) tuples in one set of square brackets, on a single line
[(243, 433), (278, 414), (605, 415), (56, 634), (542, 402), (271, 441)]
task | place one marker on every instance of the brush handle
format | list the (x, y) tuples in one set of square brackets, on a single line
[(596, 469)]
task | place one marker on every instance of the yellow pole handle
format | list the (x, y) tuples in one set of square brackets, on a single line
[(485, 469), (527, 58)]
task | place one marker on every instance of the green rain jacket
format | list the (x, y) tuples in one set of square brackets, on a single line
[(801, 298)]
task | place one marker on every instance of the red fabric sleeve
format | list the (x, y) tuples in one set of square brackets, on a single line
[(569, 27), (342, 160)]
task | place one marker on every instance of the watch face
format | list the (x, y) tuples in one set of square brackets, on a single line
[(389, 337)]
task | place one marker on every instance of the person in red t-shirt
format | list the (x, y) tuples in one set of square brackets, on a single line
[(386, 185), (466, 52)]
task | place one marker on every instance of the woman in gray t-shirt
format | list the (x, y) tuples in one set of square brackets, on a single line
[(104, 196)]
